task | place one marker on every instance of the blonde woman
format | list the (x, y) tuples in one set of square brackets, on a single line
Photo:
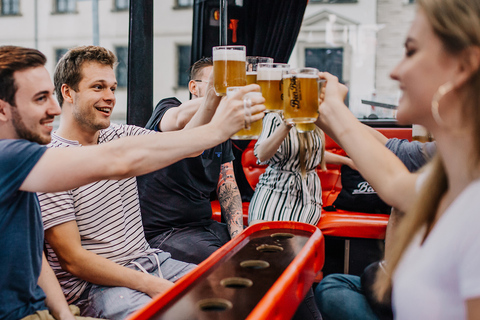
[(290, 188), (434, 266)]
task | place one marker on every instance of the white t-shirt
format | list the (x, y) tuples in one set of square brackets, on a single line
[(434, 280)]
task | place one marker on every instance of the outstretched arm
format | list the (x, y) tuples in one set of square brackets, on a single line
[(193, 113), (333, 158), (230, 199), (55, 300), (67, 168), (268, 147), (86, 265), (177, 118), (382, 169)]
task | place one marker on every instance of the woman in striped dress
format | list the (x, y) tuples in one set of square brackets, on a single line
[(290, 188)]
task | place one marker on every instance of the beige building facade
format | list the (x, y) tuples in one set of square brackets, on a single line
[(360, 40)]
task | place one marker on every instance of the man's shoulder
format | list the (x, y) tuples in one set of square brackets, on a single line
[(9, 147), (115, 131), (159, 111), (168, 102)]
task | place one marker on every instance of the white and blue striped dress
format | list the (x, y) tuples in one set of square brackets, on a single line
[(281, 193)]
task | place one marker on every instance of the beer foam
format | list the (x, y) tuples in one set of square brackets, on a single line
[(269, 74), (232, 55), (301, 75)]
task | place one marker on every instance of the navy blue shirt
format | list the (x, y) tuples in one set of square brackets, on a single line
[(21, 232), (179, 195)]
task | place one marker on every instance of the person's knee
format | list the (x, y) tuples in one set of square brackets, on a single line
[(113, 302), (333, 291)]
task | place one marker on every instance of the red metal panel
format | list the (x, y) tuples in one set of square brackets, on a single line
[(280, 300)]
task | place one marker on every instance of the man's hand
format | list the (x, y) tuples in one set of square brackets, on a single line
[(230, 114), (153, 285), (332, 90)]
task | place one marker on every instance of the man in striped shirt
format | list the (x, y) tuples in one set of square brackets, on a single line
[(94, 236)]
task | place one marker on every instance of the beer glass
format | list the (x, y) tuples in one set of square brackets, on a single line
[(300, 95), (252, 130), (420, 133), (305, 127), (269, 78), (228, 68), (252, 62)]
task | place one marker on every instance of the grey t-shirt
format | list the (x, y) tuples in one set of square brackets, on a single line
[(413, 154)]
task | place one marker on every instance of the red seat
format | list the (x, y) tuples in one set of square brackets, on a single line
[(339, 223), (217, 211)]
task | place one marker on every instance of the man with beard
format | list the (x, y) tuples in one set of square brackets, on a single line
[(27, 109)]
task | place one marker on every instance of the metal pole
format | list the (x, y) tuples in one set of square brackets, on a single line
[(140, 63), (223, 22), (35, 18), (96, 29)]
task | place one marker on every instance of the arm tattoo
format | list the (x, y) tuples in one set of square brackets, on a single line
[(230, 199)]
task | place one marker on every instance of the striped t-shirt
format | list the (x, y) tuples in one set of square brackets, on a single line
[(282, 194), (107, 213)]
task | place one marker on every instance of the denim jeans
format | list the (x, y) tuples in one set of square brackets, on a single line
[(118, 302), (194, 243), (340, 296)]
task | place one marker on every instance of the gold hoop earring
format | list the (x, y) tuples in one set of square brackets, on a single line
[(441, 92)]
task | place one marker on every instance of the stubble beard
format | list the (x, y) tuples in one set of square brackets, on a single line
[(24, 133)]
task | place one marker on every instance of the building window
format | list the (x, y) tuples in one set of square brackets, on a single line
[(183, 54), (326, 59), (10, 7), (122, 67), (66, 6), (184, 3), (334, 1), (121, 5), (59, 53)]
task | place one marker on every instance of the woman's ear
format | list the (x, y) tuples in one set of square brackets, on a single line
[(469, 65)]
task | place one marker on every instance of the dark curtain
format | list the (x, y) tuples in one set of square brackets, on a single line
[(268, 28), (272, 27)]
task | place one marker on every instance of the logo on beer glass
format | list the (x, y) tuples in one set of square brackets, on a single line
[(296, 92), (300, 95)]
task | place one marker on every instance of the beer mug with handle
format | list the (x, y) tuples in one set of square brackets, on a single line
[(269, 78), (228, 68), (252, 130), (300, 95), (252, 63)]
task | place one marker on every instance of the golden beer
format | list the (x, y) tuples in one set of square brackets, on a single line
[(269, 78), (251, 77), (300, 98), (255, 128), (249, 134), (420, 133), (305, 127), (228, 68)]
